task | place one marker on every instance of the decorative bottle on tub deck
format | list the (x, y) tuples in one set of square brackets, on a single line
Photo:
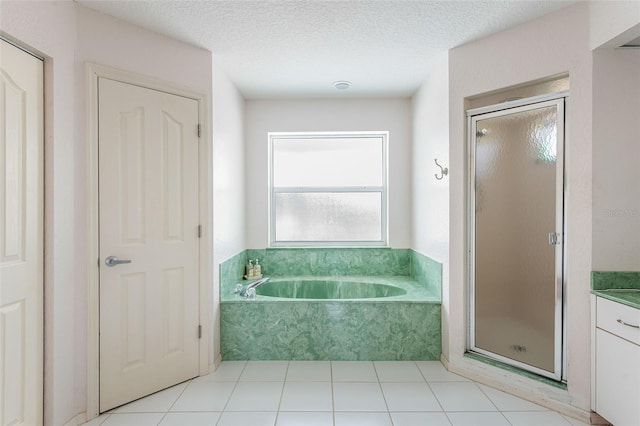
[(249, 270), (257, 270)]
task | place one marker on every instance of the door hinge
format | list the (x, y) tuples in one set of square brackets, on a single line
[(199, 231), (554, 238), (199, 332), (198, 130)]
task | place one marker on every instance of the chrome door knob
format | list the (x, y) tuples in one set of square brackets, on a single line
[(113, 261)]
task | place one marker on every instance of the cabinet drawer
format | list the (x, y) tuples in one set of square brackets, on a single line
[(617, 379), (612, 317)]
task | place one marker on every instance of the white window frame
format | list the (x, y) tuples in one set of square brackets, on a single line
[(384, 207)]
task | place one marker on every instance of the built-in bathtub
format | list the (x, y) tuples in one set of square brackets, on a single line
[(328, 288), (330, 317)]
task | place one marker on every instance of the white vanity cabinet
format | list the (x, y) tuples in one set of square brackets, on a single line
[(617, 363)]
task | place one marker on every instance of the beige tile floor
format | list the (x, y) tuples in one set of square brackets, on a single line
[(310, 393)]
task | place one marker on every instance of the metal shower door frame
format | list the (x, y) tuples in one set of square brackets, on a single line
[(503, 109)]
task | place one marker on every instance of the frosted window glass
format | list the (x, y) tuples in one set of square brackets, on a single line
[(328, 216), (328, 188), (317, 162)]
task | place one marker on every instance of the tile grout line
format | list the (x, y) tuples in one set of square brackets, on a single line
[(235, 385), (176, 400), (489, 398), (492, 402), (426, 380), (284, 382), (437, 399), (333, 395), (384, 398), (446, 414)]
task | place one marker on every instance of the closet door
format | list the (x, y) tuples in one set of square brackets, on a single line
[(21, 240), (149, 244)]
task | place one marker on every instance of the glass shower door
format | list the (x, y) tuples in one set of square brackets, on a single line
[(516, 236)]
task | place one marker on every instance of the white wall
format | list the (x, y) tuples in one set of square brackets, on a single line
[(551, 45), (69, 35), (616, 157), (49, 28), (104, 40), (112, 42), (228, 189), (429, 196), (393, 115), (613, 23)]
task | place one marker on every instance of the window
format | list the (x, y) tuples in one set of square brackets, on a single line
[(328, 189)]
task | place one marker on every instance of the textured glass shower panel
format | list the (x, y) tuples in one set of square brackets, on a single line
[(328, 216), (515, 177)]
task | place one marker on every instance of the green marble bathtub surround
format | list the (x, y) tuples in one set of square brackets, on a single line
[(329, 330), (426, 271), (332, 261), (601, 280), (403, 326), (232, 272)]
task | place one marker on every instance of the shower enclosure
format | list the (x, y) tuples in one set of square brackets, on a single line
[(515, 230)]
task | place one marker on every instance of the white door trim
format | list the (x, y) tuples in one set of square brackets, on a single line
[(93, 72)]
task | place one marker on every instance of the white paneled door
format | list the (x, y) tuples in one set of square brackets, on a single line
[(21, 237), (149, 251)]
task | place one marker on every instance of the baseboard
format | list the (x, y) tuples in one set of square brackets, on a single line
[(445, 361), (216, 363), (597, 419)]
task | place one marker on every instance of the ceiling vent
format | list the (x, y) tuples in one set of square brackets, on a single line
[(342, 85)]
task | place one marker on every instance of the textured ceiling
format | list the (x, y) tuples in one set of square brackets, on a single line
[(290, 49)]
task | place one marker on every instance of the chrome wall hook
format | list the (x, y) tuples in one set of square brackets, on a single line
[(443, 170)]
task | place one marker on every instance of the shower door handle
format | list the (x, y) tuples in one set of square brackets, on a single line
[(554, 238)]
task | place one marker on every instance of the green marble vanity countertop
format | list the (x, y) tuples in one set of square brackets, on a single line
[(630, 297), (415, 292), (622, 287)]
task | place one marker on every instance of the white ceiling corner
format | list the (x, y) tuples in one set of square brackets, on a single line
[(296, 48)]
